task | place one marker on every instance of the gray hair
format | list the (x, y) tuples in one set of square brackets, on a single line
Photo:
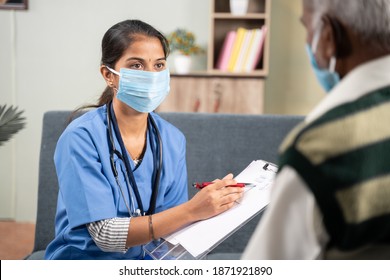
[(370, 19)]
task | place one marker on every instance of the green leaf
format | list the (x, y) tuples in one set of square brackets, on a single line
[(183, 41), (11, 121)]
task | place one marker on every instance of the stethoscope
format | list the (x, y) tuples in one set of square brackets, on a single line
[(129, 176)]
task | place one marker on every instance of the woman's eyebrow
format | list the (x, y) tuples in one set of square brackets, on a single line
[(142, 59)]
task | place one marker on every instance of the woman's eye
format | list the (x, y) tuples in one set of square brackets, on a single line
[(160, 65), (136, 66)]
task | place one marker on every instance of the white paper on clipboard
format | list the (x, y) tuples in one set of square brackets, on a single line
[(202, 236)]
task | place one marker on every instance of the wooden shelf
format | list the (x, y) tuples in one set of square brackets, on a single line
[(233, 17), (222, 21), (216, 91), (218, 73)]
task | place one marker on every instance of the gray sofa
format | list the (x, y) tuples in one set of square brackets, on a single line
[(216, 145)]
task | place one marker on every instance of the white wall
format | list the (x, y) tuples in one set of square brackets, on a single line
[(7, 96), (49, 59), (55, 59), (291, 87)]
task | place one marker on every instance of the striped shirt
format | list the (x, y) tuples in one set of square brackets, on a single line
[(110, 235), (331, 193), (344, 157)]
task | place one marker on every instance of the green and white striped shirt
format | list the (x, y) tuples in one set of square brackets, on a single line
[(333, 187)]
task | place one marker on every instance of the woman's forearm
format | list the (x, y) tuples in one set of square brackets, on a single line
[(208, 202)]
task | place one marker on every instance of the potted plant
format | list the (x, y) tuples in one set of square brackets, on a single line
[(184, 43), (239, 7), (11, 121)]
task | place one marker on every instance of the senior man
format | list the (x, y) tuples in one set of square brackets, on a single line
[(331, 197)]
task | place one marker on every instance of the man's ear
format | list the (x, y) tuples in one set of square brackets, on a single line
[(328, 38), (341, 40)]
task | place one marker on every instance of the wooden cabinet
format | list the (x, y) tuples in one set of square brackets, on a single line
[(216, 91), (210, 94)]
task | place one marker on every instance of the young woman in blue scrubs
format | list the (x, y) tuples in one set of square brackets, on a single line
[(121, 168)]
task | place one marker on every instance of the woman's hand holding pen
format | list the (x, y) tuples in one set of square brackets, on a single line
[(214, 199), (208, 202)]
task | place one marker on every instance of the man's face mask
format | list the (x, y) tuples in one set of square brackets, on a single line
[(328, 78), (143, 91)]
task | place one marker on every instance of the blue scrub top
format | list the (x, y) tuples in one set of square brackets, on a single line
[(88, 191)]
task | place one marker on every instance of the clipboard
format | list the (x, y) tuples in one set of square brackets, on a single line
[(196, 240)]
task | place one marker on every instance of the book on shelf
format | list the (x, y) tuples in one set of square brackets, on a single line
[(236, 48), (241, 50), (226, 50), (257, 50)]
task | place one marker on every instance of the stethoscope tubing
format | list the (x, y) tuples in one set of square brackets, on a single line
[(129, 176)]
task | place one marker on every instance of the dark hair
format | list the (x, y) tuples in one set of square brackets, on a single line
[(115, 41)]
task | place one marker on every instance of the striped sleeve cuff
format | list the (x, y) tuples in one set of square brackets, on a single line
[(110, 235)]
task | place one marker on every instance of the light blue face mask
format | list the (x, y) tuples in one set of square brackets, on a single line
[(328, 78), (143, 91)]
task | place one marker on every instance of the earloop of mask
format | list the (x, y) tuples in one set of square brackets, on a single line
[(113, 71)]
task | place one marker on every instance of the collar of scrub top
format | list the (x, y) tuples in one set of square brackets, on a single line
[(157, 164)]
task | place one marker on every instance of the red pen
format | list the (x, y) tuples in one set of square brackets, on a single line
[(205, 184)]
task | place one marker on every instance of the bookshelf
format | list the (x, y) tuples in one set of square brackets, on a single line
[(223, 21), (217, 91)]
